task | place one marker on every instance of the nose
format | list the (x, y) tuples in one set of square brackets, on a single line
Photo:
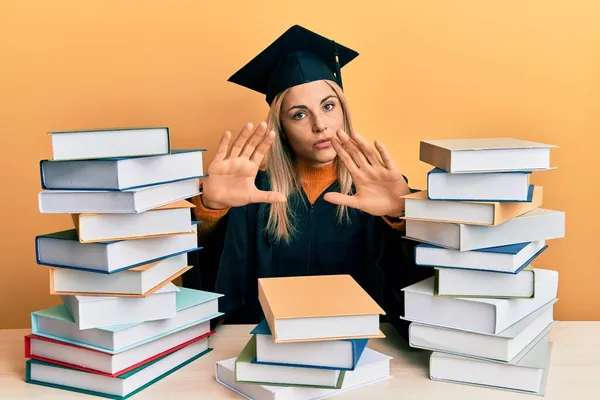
[(319, 125)]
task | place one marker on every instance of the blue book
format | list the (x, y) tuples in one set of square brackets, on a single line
[(504, 259), (331, 354), (193, 307)]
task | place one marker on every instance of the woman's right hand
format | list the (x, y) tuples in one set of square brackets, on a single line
[(231, 178)]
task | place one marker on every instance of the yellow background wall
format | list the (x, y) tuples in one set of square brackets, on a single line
[(436, 69)]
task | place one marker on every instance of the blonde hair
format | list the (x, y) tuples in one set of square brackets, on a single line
[(283, 176)]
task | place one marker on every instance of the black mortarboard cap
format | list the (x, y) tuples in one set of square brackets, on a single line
[(297, 56)]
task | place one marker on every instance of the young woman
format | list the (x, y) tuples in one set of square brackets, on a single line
[(302, 193)]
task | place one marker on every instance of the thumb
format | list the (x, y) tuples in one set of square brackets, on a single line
[(341, 199), (264, 196)]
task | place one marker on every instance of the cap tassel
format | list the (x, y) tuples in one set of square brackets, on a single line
[(338, 73)]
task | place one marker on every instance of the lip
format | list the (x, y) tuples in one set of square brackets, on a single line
[(322, 143)]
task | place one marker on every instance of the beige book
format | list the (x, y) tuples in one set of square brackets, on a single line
[(322, 307)]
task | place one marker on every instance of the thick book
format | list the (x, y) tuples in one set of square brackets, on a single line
[(486, 155), (120, 387), (116, 202), (123, 173), (104, 143), (463, 283), (337, 308), (508, 259), (97, 362), (140, 281), (490, 186), (481, 315), (372, 368), (538, 224), (63, 249), (419, 207), (528, 373), (170, 219), (503, 346), (194, 307), (333, 354), (100, 311), (286, 375)]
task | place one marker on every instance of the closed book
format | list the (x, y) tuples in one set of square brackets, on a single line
[(333, 354), (103, 143), (120, 387), (419, 207), (487, 186), (99, 311), (508, 259), (140, 281), (170, 219), (194, 307), (107, 364), (504, 346), (265, 374), (372, 368), (464, 283), (535, 225), (337, 308), (123, 173), (116, 202), (485, 155), (475, 314), (63, 249)]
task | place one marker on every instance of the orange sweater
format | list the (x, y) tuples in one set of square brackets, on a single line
[(314, 181)]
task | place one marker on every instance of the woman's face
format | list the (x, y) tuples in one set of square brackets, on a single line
[(310, 116)]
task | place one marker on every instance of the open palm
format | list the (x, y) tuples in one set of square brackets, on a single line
[(378, 181), (231, 177)]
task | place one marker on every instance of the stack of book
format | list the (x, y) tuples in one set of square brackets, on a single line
[(122, 325), (487, 312), (312, 343)]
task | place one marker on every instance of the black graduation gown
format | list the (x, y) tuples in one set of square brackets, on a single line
[(240, 251)]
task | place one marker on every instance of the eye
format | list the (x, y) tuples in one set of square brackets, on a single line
[(329, 106), (298, 115)]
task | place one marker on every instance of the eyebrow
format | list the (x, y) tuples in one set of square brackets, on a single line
[(301, 106)]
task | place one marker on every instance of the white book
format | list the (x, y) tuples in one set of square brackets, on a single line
[(122, 173), (108, 202), (116, 387), (538, 224), (103, 143), (78, 357), (527, 373), (373, 367), (475, 314), (465, 283), (139, 281), (96, 312), (485, 155), (193, 307), (491, 186), (507, 259), (170, 219), (504, 346), (63, 249)]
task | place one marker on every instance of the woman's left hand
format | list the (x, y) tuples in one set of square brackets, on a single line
[(379, 183)]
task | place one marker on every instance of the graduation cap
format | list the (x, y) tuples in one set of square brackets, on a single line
[(297, 56)]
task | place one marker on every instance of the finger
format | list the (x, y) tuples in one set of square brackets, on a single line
[(255, 139), (368, 150), (264, 196), (353, 149), (260, 151), (240, 141), (222, 149), (345, 156), (341, 199), (385, 156)]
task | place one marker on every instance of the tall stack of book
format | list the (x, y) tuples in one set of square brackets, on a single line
[(312, 343), (487, 312), (122, 325)]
